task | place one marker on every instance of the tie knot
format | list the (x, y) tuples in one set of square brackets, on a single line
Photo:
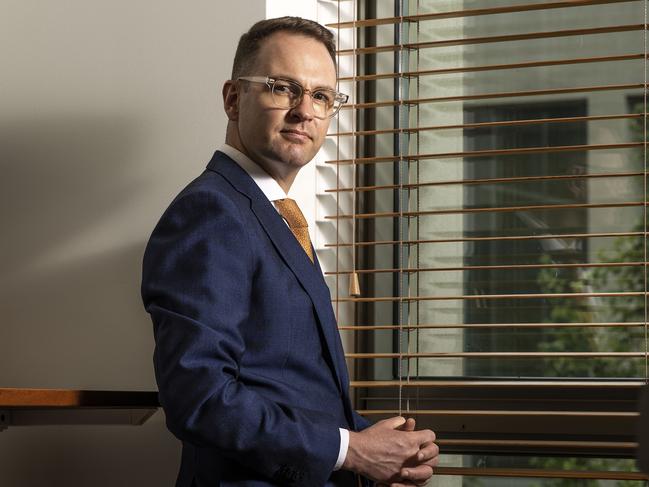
[(291, 212), (297, 223)]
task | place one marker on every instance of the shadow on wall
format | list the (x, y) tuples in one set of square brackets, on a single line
[(70, 255), (59, 178), (73, 234)]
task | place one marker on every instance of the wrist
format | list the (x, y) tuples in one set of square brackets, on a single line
[(351, 459)]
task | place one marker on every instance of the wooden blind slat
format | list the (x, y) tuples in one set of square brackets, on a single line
[(494, 67), (470, 13), (481, 125), (541, 473), (467, 182), (501, 209), (603, 445), (498, 355), (555, 265), (487, 96), (424, 326), (465, 41), (496, 238), (458, 297), (505, 413), (611, 386), (488, 153)]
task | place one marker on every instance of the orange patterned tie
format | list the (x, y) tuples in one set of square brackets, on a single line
[(297, 223)]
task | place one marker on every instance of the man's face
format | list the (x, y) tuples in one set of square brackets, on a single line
[(284, 139)]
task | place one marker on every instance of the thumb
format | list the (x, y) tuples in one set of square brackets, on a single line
[(409, 425)]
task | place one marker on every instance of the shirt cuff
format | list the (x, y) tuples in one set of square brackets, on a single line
[(344, 445)]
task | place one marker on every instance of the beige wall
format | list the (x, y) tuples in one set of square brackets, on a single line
[(106, 109)]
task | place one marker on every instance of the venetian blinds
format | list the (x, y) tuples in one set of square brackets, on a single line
[(491, 196)]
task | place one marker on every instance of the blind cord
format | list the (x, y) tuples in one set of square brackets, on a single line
[(644, 179)]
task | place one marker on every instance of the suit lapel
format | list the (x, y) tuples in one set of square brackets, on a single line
[(308, 274)]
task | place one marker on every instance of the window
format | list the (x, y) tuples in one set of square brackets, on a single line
[(491, 196)]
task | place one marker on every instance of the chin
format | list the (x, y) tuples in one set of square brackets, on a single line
[(296, 157), (301, 162)]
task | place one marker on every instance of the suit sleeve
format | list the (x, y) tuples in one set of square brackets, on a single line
[(197, 280), (360, 422)]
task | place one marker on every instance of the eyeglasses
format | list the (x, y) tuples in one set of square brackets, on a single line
[(287, 93)]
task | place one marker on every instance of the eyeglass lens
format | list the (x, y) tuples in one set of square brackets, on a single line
[(288, 95)]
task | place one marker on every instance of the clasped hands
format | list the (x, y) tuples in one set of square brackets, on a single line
[(392, 453)]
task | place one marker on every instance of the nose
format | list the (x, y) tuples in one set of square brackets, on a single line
[(304, 109)]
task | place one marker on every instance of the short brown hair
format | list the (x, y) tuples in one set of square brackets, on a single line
[(250, 42)]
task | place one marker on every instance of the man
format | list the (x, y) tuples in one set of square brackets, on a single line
[(248, 360)]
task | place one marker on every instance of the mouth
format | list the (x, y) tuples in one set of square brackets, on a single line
[(295, 134)]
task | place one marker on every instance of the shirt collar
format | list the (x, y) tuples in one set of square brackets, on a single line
[(271, 189)]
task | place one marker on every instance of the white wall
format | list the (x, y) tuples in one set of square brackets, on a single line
[(106, 110)]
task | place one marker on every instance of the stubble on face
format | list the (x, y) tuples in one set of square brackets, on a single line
[(281, 140)]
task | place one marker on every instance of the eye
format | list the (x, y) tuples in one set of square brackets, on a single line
[(284, 88), (323, 97)]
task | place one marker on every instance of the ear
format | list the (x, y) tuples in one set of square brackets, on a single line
[(231, 99)]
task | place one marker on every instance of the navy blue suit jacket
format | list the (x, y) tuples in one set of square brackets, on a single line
[(248, 360)]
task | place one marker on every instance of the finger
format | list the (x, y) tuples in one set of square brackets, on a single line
[(427, 452), (431, 462), (424, 437), (409, 425), (418, 474)]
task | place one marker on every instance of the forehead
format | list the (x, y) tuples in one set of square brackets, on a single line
[(298, 57)]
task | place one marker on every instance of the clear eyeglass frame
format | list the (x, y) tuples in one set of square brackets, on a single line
[(288, 93)]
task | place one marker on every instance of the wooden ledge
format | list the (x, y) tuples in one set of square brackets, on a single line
[(69, 398), (31, 407)]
